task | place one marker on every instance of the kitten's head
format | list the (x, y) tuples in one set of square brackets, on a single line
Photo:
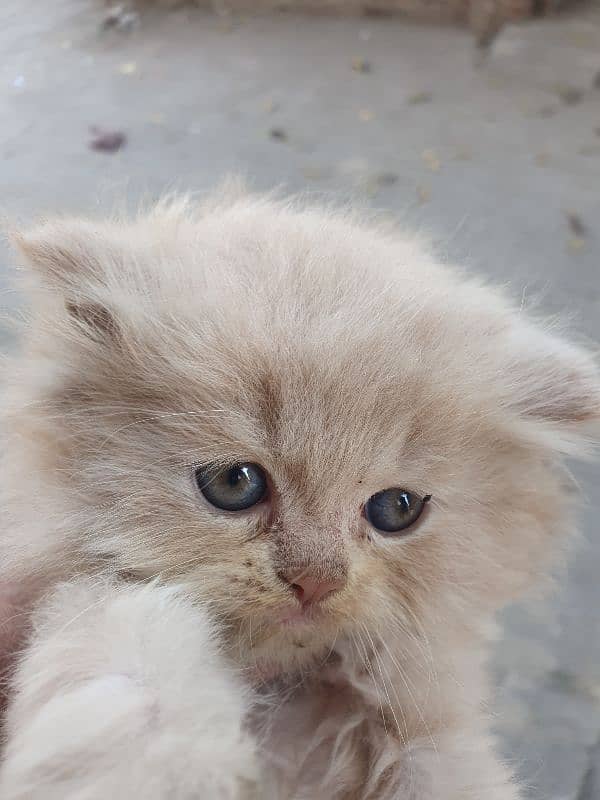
[(309, 422)]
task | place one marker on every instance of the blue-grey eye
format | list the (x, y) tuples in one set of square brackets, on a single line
[(394, 510), (232, 488)]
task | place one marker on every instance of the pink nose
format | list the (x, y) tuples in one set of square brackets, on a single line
[(311, 591)]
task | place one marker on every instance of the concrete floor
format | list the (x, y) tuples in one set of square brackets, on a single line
[(490, 162)]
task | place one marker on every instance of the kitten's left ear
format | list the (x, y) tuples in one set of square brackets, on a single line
[(75, 259), (551, 380)]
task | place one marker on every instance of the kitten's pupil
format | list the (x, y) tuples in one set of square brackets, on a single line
[(404, 502), (236, 474)]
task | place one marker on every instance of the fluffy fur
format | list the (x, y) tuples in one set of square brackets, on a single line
[(344, 359), (123, 689)]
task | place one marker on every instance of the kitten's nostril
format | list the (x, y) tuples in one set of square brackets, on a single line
[(309, 590), (298, 591)]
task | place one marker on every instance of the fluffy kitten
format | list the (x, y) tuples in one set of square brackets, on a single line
[(343, 454)]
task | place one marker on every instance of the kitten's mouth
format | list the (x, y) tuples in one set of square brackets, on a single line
[(289, 629), (298, 616)]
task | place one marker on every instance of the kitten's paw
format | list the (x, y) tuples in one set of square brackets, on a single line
[(123, 691), (460, 767)]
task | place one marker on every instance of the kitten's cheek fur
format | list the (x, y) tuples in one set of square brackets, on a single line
[(122, 690)]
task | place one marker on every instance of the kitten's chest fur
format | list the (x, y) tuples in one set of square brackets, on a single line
[(335, 722)]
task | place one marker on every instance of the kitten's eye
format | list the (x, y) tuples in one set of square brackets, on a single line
[(394, 510), (234, 488)]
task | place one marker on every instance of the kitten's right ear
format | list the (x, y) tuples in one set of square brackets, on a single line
[(64, 253), (70, 258)]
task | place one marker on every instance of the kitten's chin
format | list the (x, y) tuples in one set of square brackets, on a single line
[(294, 646)]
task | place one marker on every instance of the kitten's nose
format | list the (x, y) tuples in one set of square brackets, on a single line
[(310, 590)]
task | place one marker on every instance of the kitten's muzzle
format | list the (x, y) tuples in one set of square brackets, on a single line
[(311, 560)]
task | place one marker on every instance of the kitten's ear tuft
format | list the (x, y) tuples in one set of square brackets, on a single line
[(62, 253), (552, 380), (96, 321)]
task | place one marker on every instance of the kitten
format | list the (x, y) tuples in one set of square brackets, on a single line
[(345, 455)]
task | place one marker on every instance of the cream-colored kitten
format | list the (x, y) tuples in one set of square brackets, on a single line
[(270, 449)]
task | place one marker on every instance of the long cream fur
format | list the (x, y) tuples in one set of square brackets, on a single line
[(143, 633), (123, 691)]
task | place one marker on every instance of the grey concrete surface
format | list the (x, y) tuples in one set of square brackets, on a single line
[(489, 162)]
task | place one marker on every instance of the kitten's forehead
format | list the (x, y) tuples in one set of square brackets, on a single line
[(328, 359), (324, 417)]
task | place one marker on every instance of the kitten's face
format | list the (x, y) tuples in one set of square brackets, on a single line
[(260, 403)]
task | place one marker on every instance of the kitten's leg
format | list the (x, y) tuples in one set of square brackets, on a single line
[(467, 768), (458, 767), (122, 693)]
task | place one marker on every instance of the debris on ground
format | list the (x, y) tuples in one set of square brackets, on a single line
[(224, 22), (423, 195), (373, 182), (419, 98), (576, 224), (486, 21), (314, 172), (366, 115), (547, 111), (542, 159), (578, 230), (431, 160), (361, 65), (462, 154), (589, 150), (120, 18), (279, 134), (385, 178), (570, 95), (106, 141), (128, 68), (270, 105), (576, 243), (364, 177)]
